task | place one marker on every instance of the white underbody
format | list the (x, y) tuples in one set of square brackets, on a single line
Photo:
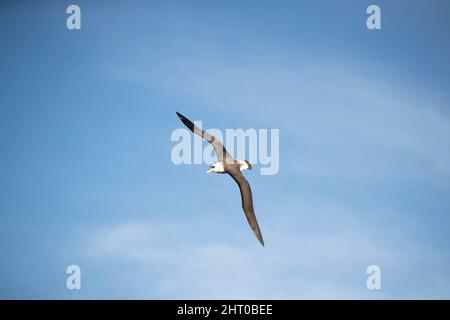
[(218, 167)]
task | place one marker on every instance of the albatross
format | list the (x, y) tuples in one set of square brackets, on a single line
[(234, 168)]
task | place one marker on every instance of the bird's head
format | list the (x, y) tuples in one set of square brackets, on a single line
[(216, 167)]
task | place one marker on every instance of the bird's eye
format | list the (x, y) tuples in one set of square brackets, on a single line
[(213, 167)]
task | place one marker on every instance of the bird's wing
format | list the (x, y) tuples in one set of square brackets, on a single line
[(222, 153), (247, 201)]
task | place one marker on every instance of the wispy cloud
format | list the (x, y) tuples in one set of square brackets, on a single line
[(298, 262), (337, 120)]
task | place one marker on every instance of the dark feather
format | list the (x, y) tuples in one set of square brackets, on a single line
[(247, 201)]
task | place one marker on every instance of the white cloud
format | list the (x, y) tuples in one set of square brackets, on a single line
[(323, 253), (337, 120)]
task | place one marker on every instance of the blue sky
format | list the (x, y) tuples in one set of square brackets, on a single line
[(86, 176)]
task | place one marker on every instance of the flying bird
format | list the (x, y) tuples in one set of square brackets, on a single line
[(234, 168)]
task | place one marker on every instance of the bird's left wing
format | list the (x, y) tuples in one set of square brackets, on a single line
[(247, 201)]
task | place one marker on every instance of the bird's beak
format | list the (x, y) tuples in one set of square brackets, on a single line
[(209, 170)]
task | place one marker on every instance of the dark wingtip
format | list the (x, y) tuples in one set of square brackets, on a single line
[(188, 123), (261, 241), (259, 236)]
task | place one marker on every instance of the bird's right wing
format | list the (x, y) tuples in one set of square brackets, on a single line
[(247, 201), (222, 153)]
